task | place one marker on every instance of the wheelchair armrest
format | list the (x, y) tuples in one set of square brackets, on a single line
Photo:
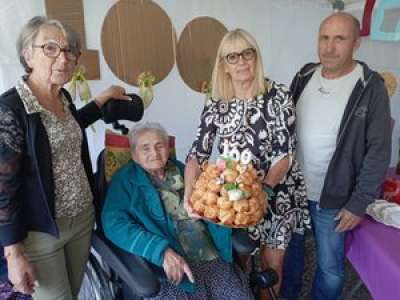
[(242, 243), (132, 269)]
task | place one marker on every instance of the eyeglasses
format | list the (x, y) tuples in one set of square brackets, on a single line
[(53, 50), (246, 54)]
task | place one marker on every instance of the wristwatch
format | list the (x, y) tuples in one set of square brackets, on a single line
[(269, 190)]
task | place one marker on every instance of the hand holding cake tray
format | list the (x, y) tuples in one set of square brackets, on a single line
[(229, 193)]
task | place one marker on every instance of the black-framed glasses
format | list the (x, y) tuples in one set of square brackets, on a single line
[(247, 54), (53, 50)]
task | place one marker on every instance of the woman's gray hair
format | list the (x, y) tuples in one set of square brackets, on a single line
[(141, 128), (30, 31)]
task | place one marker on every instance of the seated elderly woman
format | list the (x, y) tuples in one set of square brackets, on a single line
[(144, 214)]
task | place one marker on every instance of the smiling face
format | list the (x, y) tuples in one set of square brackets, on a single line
[(52, 71), (244, 69), (337, 43), (151, 151)]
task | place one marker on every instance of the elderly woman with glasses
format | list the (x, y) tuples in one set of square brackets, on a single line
[(46, 210), (144, 214), (254, 115)]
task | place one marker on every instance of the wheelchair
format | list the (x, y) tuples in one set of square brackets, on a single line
[(113, 273)]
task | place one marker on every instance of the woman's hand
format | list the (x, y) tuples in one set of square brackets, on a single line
[(20, 271), (192, 171), (114, 91), (187, 204), (277, 172), (175, 267)]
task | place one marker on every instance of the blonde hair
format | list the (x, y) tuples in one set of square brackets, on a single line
[(221, 82)]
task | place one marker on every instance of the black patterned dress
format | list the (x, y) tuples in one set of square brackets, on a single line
[(265, 127)]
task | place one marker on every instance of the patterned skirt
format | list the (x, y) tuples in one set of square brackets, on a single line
[(215, 280), (287, 212), (7, 292)]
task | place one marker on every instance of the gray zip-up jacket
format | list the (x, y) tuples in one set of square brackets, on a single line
[(363, 145)]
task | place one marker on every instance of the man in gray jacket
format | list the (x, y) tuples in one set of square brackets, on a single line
[(344, 143)]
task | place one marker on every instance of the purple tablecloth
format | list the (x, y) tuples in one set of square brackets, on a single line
[(374, 251)]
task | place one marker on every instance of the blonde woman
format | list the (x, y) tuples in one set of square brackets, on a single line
[(255, 115)]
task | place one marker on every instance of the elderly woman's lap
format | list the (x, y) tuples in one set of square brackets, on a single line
[(214, 280)]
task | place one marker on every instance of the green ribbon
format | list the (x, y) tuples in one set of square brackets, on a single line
[(145, 82), (206, 89), (80, 83)]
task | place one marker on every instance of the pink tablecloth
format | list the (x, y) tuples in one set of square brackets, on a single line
[(374, 251)]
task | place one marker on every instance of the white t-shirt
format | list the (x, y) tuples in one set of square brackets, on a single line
[(319, 112)]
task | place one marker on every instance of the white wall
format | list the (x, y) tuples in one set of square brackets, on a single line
[(286, 31), (277, 26)]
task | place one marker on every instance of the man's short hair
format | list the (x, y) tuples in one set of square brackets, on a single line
[(353, 19)]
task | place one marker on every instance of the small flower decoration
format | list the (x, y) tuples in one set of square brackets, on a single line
[(80, 83), (145, 82), (206, 89)]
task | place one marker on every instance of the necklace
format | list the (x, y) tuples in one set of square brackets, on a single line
[(325, 91)]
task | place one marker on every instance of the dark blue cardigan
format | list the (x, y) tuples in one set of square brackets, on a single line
[(363, 144), (29, 206)]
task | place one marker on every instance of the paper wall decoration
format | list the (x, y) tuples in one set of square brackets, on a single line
[(384, 8), (197, 50), (71, 13), (390, 82), (367, 15), (138, 36)]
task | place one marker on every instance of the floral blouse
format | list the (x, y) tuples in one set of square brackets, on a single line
[(262, 127), (72, 190)]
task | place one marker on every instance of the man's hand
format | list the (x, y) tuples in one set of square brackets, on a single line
[(20, 271), (175, 267), (347, 220)]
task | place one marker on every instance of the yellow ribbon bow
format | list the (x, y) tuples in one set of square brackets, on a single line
[(206, 89), (145, 82), (80, 83)]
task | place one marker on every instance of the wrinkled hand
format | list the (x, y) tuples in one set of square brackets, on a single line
[(114, 91), (175, 267), (187, 204), (347, 220), (21, 274)]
